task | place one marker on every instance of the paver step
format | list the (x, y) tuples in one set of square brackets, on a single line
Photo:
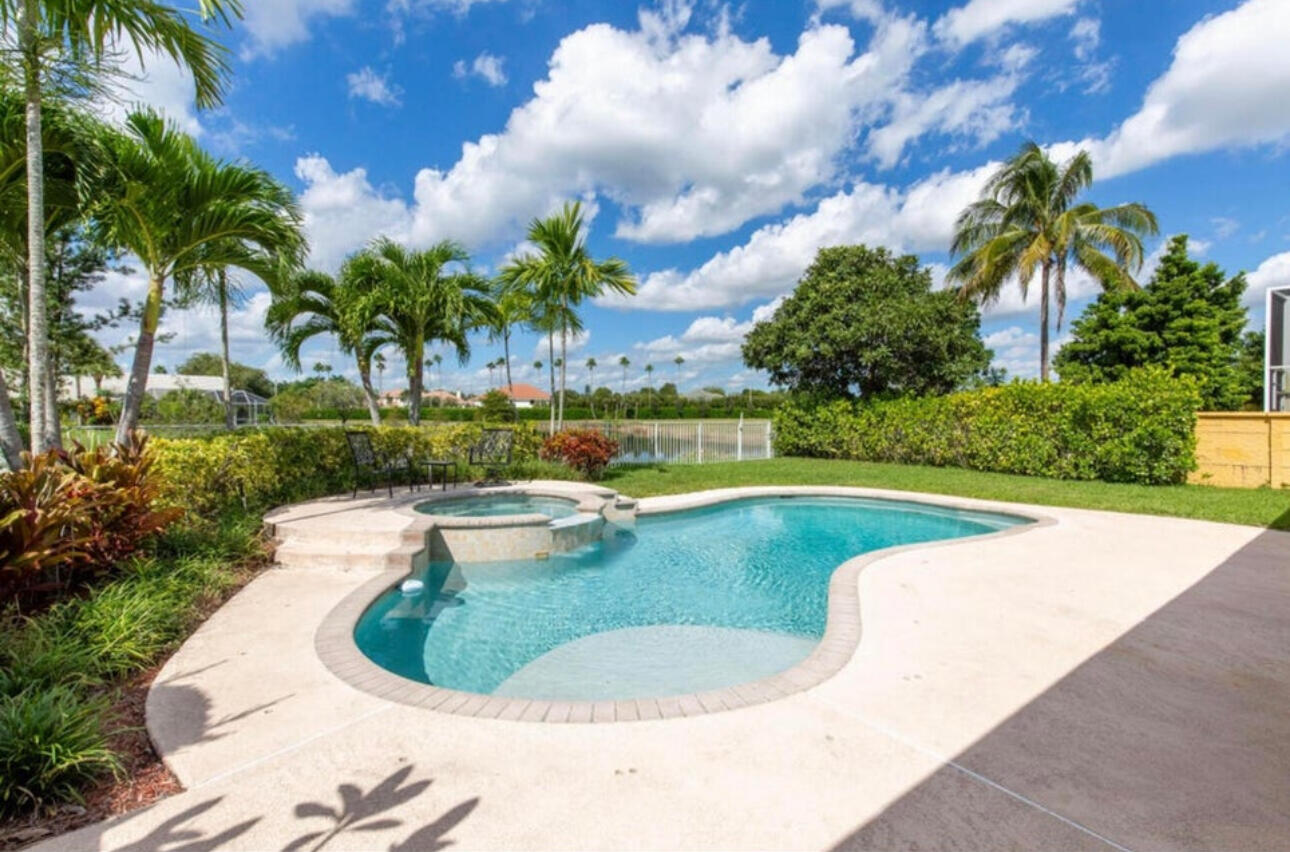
[(296, 554)]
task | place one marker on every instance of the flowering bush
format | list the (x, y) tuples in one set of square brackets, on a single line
[(95, 411), (585, 450)]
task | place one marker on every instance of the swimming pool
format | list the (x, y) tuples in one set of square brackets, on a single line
[(688, 601), (493, 505)]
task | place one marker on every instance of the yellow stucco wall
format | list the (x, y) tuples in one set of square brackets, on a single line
[(1243, 449)]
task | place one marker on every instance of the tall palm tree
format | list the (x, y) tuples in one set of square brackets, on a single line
[(180, 210), (490, 365), (212, 286), (309, 303), (420, 297), (678, 361), (591, 385), (56, 35), (1028, 218), (649, 381), (378, 361), (562, 274), (438, 362), (624, 362), (513, 308), (68, 142)]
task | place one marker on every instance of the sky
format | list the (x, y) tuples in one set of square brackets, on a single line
[(717, 146)]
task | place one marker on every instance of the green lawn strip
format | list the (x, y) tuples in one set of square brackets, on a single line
[(1262, 507)]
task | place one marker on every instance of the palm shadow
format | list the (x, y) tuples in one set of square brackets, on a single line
[(1174, 736), (172, 837), (363, 812), (192, 723)]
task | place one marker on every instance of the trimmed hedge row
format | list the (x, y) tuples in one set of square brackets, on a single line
[(449, 414), (259, 469), (1141, 429)]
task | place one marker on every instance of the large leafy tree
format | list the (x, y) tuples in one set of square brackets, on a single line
[(310, 303), (1189, 318), (55, 37), (1029, 218), (560, 274), (420, 297), (864, 323), (182, 212), (243, 376)]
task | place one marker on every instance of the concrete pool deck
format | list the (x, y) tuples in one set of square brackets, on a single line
[(1105, 681)]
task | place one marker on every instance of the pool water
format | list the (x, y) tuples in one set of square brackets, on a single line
[(689, 601), (500, 504)]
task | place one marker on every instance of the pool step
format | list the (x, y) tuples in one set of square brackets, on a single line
[(316, 543)]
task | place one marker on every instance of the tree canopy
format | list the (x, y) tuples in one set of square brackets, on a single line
[(1189, 318), (252, 379), (863, 322)]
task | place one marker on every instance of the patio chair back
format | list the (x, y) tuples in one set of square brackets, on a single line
[(360, 448), (370, 468), (494, 448)]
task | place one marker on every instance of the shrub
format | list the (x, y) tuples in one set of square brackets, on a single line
[(188, 405), (1140, 429), (52, 744), (71, 515), (257, 470), (585, 450)]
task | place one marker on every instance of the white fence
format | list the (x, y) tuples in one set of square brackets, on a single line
[(682, 441)]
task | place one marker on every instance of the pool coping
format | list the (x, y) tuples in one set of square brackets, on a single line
[(335, 646)]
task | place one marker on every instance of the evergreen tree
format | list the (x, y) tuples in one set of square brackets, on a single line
[(1188, 318)]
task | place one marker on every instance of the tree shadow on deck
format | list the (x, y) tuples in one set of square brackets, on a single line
[(1176, 735)]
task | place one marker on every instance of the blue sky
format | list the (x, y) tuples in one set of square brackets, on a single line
[(720, 144)]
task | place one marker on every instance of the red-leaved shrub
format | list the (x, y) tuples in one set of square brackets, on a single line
[(585, 450)]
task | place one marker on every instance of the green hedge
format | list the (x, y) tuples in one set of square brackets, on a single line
[(529, 415), (1141, 429), (262, 468)]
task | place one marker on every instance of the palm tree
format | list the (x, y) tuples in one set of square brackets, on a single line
[(438, 362), (308, 303), (649, 379), (513, 307), (678, 361), (68, 142), (490, 365), (624, 362), (77, 33), (180, 210), (420, 297), (322, 368), (1028, 218), (378, 361), (211, 285), (591, 385), (562, 274)]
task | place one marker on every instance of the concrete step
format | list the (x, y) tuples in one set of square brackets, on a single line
[(341, 537), (349, 558)]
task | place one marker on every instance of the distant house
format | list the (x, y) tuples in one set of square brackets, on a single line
[(524, 395), (392, 398), (439, 397), (248, 408)]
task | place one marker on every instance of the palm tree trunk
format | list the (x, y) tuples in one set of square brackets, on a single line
[(142, 364), (550, 360), (53, 428), (564, 365), (223, 339), (414, 380), (1043, 326), (37, 326), (591, 390), (10, 437), (365, 379), (510, 385)]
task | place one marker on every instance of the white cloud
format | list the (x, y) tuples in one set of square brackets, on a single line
[(1087, 35), (769, 263), (1272, 272), (1225, 88), (369, 85), (275, 24), (485, 66), (343, 211), (156, 81), (982, 18), (1224, 226), (977, 109)]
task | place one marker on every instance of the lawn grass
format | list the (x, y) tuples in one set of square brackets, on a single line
[(1263, 507)]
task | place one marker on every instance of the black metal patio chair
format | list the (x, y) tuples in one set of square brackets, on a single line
[(493, 452), (371, 466)]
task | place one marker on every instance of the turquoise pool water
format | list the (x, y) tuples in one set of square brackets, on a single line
[(499, 504), (689, 601)]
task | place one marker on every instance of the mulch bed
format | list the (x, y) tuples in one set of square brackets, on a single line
[(145, 778)]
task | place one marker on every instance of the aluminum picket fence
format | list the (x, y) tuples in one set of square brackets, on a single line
[(682, 441)]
